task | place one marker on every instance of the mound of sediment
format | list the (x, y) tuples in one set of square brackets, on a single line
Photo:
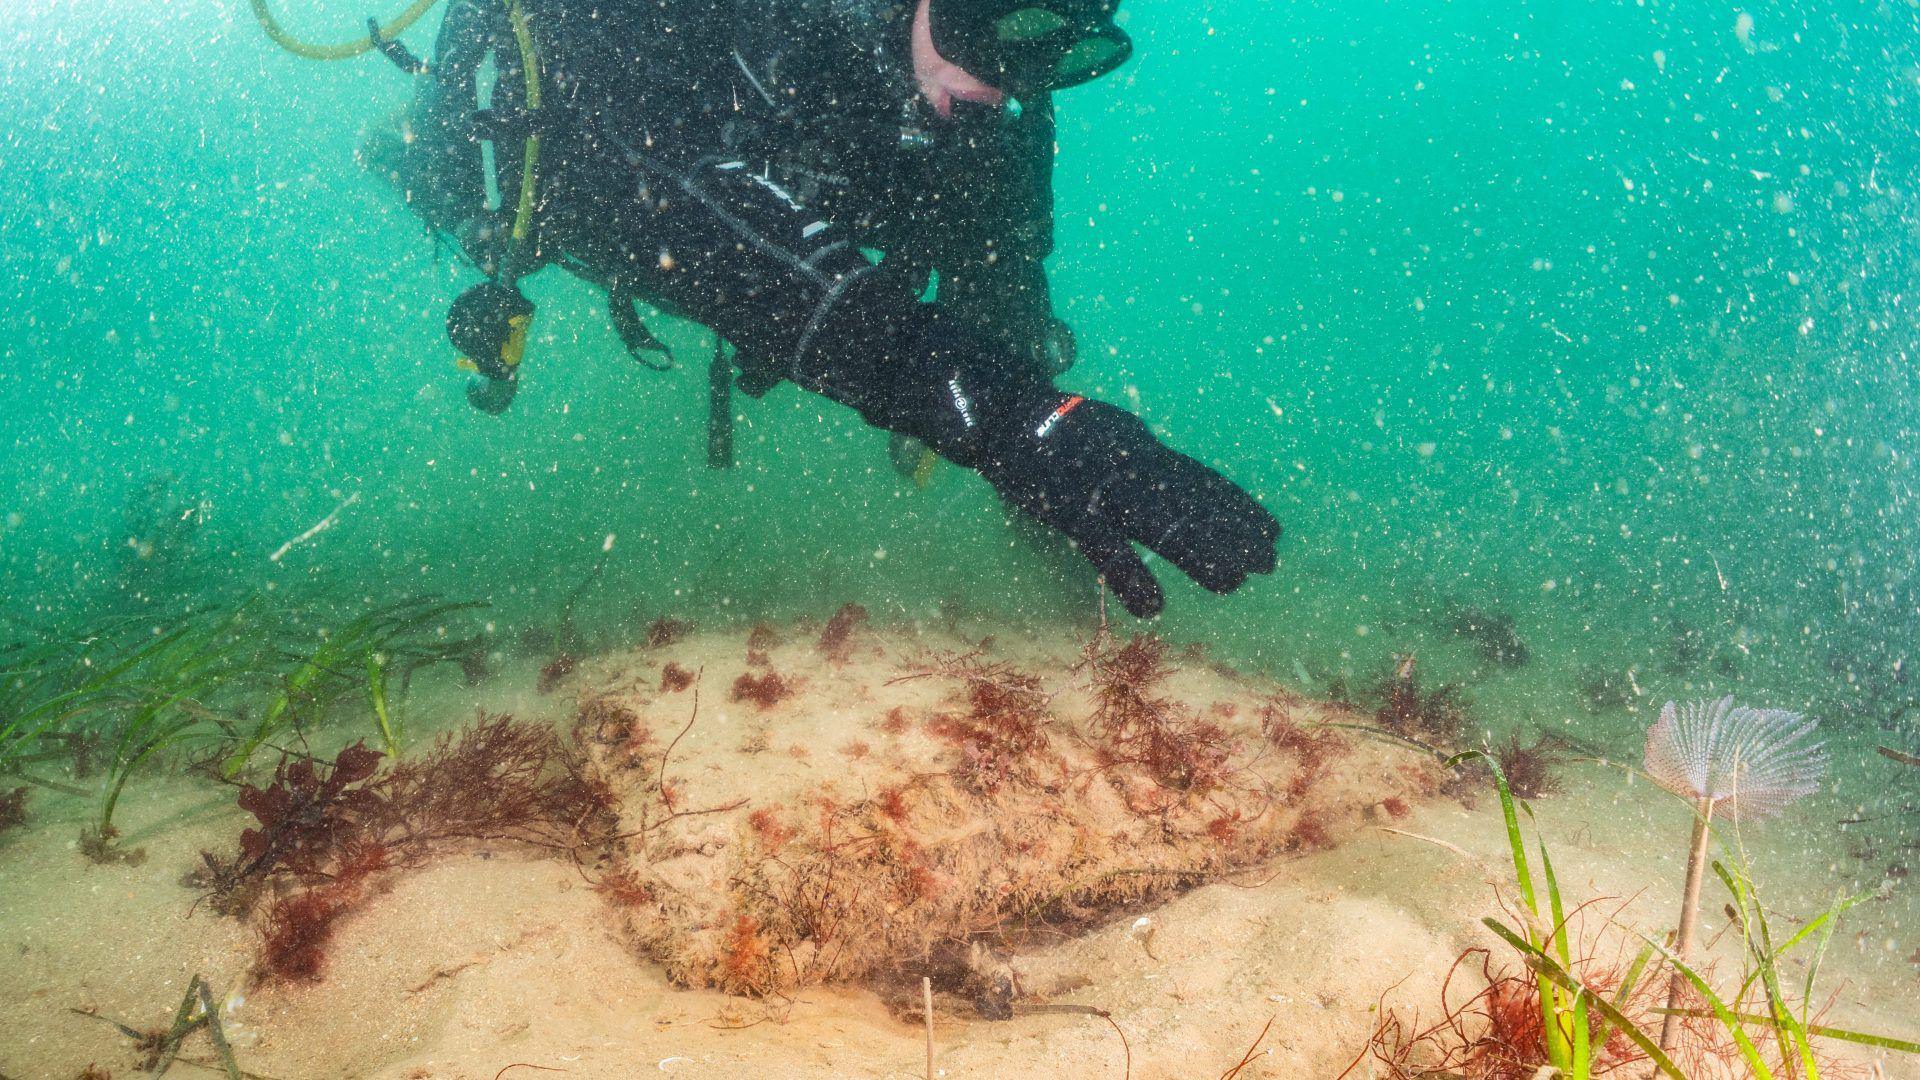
[(828, 805)]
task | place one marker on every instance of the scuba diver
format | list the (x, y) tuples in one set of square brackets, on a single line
[(799, 176)]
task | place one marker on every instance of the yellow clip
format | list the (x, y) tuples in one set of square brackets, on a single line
[(516, 344), (465, 364), (923, 469)]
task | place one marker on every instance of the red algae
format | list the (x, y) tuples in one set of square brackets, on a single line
[(769, 830), (1310, 832), (1141, 726), (665, 631), (1499, 1033), (836, 639), (324, 835), (299, 927), (761, 644), (1529, 767), (765, 691), (13, 808), (1102, 787), (892, 804), (624, 888), (1313, 751), (761, 641), (1003, 725), (556, 672), (1408, 709), (1226, 827), (745, 959), (674, 678)]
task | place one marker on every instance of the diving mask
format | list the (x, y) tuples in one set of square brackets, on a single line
[(1030, 46)]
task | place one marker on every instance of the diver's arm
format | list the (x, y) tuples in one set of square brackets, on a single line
[(1006, 297), (798, 298), (1089, 470), (995, 178)]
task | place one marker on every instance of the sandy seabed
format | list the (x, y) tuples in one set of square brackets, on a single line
[(1085, 879)]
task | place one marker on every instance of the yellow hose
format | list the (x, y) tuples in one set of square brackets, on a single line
[(530, 160), (345, 50)]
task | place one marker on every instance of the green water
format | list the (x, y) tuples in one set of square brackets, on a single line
[(1594, 317), (1598, 315)]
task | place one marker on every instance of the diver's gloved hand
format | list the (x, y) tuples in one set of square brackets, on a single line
[(1096, 474)]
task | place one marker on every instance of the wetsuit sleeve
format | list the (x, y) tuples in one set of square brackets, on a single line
[(733, 249), (996, 232)]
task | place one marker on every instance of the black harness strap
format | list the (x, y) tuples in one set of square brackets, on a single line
[(720, 407), (401, 57), (639, 341)]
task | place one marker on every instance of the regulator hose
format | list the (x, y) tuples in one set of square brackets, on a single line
[(530, 160), (345, 50)]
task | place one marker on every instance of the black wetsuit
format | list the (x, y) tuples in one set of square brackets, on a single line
[(807, 93), (735, 160)]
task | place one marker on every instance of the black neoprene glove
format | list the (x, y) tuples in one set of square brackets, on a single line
[(1096, 474), (1088, 470)]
